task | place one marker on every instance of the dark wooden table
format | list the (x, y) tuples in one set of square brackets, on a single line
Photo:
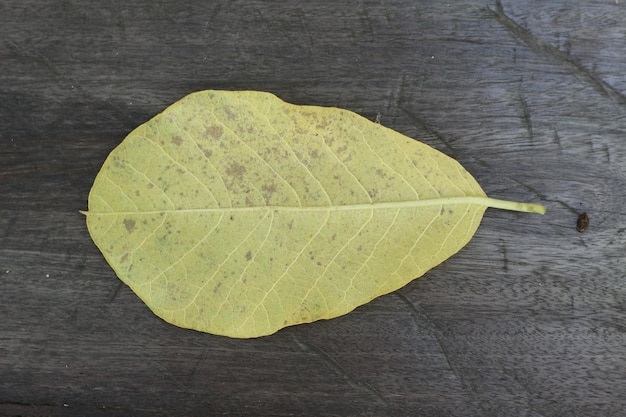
[(528, 320)]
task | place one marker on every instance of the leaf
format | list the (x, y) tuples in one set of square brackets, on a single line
[(238, 214)]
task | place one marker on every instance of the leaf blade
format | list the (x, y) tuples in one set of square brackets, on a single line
[(238, 214)]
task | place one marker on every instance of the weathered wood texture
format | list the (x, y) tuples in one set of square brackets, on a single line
[(528, 320)]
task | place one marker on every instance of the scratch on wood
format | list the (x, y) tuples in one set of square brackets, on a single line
[(505, 259), (525, 393), (199, 362), (63, 77), (35, 57), (114, 292), (397, 94), (304, 24), (417, 312), (388, 18), (557, 140), (544, 48), (422, 125), (334, 365), (526, 116), (528, 187), (366, 17), (607, 154)]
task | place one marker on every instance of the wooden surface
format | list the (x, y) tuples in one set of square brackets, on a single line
[(528, 320)]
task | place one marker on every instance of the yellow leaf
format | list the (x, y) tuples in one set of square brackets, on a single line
[(238, 214)]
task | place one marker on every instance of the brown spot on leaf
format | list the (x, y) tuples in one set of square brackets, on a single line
[(177, 140), (229, 113), (214, 131), (130, 225), (207, 152), (236, 170), (269, 189), (248, 255)]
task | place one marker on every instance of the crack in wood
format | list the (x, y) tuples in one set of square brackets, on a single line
[(333, 364), (544, 48)]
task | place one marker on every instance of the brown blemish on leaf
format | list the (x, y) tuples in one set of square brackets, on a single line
[(248, 255), (214, 132), (177, 140), (130, 225), (229, 113), (207, 152), (236, 170), (269, 189), (322, 125)]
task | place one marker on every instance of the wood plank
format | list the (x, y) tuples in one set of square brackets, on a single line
[(528, 319)]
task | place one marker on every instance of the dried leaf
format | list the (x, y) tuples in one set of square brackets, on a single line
[(238, 214)]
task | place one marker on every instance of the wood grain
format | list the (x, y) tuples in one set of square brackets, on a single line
[(529, 319)]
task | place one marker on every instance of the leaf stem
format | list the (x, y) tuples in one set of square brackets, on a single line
[(514, 206)]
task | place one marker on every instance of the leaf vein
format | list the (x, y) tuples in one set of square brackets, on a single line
[(254, 152), (382, 160), (286, 142), (181, 166)]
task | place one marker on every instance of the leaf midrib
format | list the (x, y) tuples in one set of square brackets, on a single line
[(461, 200)]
